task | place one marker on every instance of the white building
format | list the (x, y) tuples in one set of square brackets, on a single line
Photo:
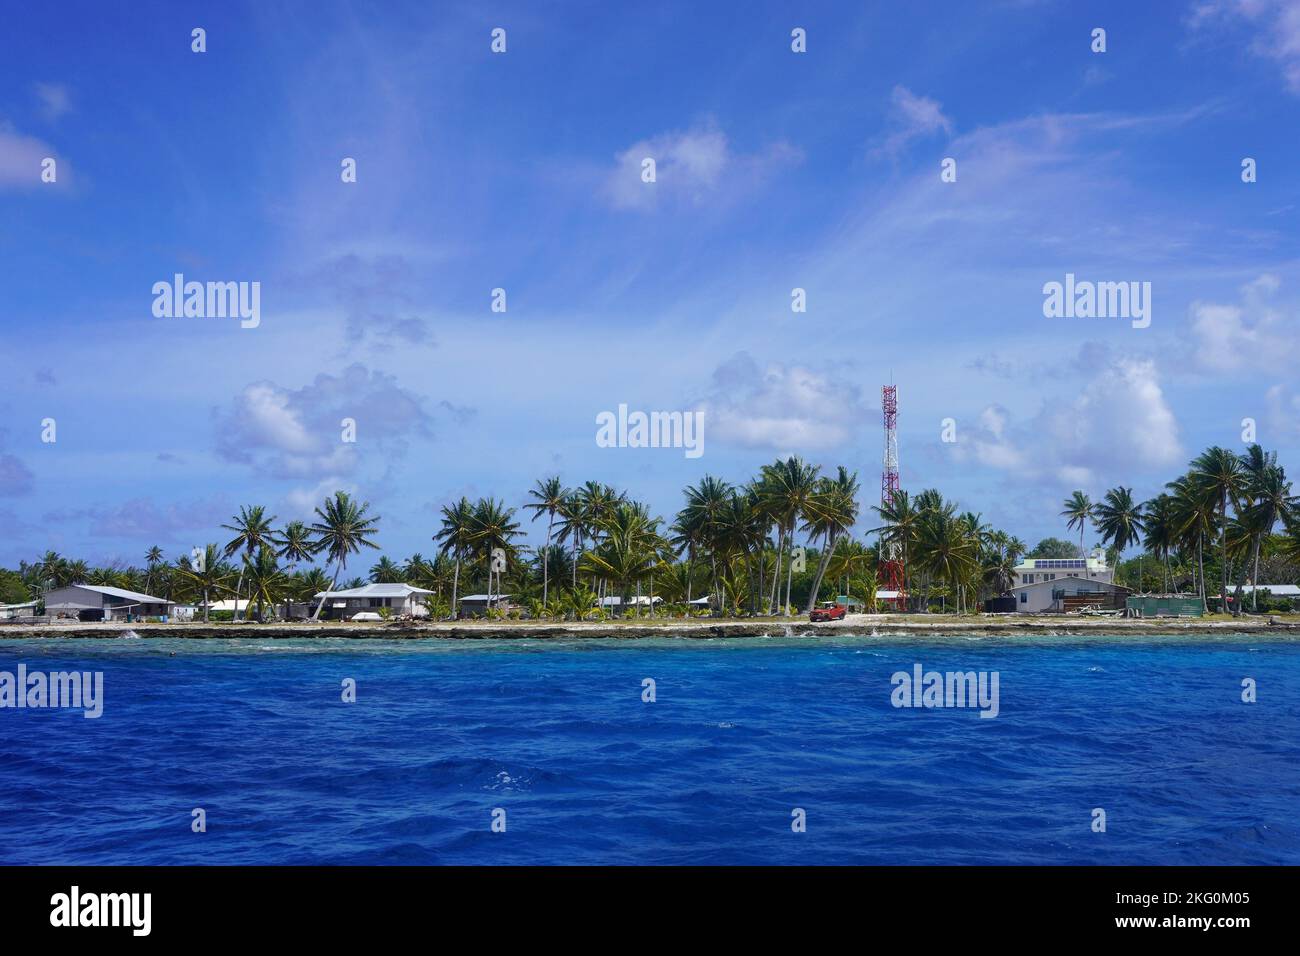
[(9, 612), (1065, 592), (400, 599), (1038, 570), (617, 602)]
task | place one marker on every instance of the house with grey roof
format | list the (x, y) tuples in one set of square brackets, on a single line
[(402, 600), (94, 602)]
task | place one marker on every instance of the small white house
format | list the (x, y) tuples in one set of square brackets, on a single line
[(10, 611), (1052, 594), (402, 600), (617, 602)]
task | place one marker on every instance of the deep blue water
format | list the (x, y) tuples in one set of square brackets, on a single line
[(1151, 730)]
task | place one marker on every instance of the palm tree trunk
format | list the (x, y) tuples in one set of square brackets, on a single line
[(333, 581), (1223, 552), (1254, 578), (546, 556), (789, 577), (717, 592), (1200, 561), (455, 585), (776, 573), (239, 586), (821, 570)]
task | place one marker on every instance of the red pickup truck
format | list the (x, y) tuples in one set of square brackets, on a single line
[(829, 611)]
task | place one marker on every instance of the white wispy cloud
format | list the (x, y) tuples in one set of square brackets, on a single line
[(54, 99), (692, 167), (912, 117), (1276, 24)]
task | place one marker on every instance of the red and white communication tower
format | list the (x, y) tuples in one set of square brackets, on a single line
[(891, 565)]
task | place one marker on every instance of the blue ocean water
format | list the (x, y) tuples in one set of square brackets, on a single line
[(742, 731)]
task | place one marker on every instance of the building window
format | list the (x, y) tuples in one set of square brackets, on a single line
[(1024, 597), (1029, 579)]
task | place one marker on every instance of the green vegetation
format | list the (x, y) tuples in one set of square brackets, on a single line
[(777, 543)]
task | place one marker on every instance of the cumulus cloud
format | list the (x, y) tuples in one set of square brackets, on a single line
[(778, 407), (297, 433), (691, 167), (302, 502), (1249, 333), (912, 117), (1277, 23), (1117, 422)]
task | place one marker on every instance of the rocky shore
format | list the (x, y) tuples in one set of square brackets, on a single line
[(872, 624)]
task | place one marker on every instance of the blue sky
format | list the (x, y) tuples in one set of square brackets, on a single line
[(521, 171)]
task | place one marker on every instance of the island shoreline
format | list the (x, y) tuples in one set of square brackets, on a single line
[(875, 625)]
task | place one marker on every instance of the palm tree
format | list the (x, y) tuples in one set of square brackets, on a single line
[(946, 550), (1271, 501), (785, 492), (1218, 471), (152, 559), (573, 527), (706, 505), (1118, 518), (385, 571), (630, 548), (266, 580), (455, 535), (999, 573), (493, 527), (548, 495), (211, 578), (831, 512), (1161, 529), (902, 522), (54, 571), (1078, 508), (1192, 511), (342, 528), (305, 586), (253, 529), (296, 546)]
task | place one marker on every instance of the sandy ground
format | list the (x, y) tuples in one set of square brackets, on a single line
[(873, 624)]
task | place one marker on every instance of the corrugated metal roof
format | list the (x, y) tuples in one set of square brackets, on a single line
[(375, 591), (117, 592), (1062, 579)]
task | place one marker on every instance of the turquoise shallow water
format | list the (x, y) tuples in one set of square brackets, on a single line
[(556, 734)]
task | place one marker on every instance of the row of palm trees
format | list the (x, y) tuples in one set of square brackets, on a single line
[(738, 547), (343, 526), (1235, 499)]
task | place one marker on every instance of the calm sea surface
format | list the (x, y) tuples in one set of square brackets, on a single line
[(743, 731)]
